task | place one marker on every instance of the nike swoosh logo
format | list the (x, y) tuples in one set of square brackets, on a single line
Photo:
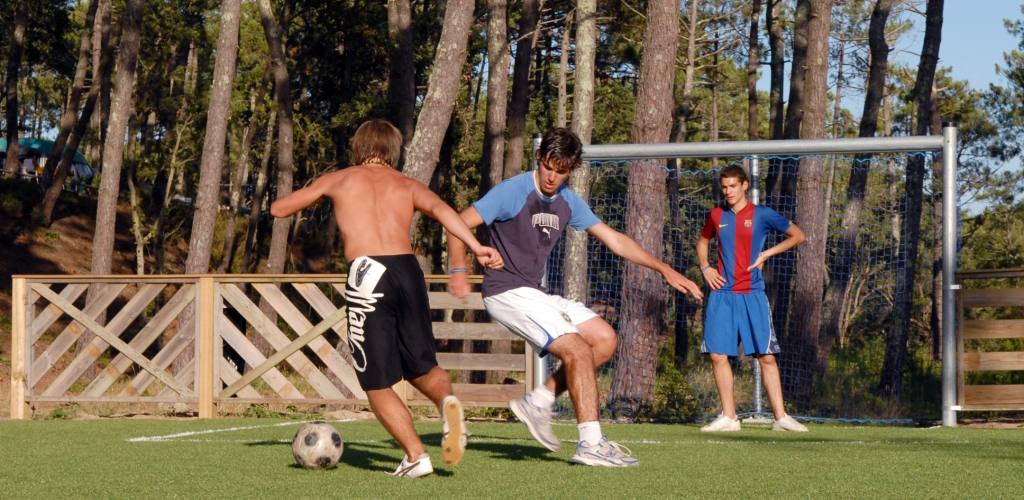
[(364, 266), (722, 225)]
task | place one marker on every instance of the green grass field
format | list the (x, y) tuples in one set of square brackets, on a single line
[(251, 458)]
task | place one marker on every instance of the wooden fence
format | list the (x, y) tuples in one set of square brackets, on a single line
[(990, 397), (148, 327)]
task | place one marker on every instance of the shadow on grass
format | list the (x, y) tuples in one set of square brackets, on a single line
[(518, 450)]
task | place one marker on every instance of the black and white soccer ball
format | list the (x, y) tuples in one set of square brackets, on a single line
[(317, 445)]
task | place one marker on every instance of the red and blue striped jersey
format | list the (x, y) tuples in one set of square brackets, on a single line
[(741, 238)]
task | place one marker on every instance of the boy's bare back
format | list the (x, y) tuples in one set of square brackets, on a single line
[(374, 206)]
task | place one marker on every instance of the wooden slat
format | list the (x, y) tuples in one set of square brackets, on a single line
[(479, 392), (19, 353), (989, 273), (163, 359), (207, 307), (300, 323), (110, 399), (444, 300), (229, 375), (52, 313), (305, 328), (333, 358), (278, 340), (995, 395), (142, 340), (993, 361), (1000, 297), (185, 375), (473, 331), (251, 355), (71, 333), (469, 361), (285, 401), (994, 329), (107, 335)]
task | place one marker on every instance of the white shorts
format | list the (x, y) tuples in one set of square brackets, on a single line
[(535, 316)]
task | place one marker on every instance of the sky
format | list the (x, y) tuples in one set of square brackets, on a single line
[(974, 38)]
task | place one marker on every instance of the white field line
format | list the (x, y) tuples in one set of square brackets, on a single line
[(188, 438), (169, 437)]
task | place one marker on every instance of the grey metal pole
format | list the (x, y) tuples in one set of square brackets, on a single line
[(540, 365), (949, 286), (739, 149), (755, 198)]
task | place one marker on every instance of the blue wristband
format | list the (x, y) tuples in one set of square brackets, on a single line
[(458, 270), (705, 268)]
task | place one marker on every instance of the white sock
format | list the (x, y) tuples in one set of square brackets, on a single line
[(543, 397), (590, 432)]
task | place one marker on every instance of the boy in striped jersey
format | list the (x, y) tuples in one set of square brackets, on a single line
[(738, 308)]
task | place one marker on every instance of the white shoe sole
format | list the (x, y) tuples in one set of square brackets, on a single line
[(521, 415), (452, 447)]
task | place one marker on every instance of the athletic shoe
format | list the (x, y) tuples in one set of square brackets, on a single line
[(788, 423), (537, 419), (421, 467), (605, 453), (453, 444), (722, 424)]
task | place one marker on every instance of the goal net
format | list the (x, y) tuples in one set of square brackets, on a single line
[(836, 299)]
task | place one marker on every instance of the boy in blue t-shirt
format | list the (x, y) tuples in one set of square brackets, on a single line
[(526, 215), (738, 309)]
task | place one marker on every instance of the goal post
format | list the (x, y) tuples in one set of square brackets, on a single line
[(610, 166)]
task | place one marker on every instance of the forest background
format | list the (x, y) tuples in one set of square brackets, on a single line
[(197, 114)]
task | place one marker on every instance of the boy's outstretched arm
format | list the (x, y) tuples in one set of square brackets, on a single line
[(796, 237), (302, 198), (625, 247), (458, 283), (430, 204)]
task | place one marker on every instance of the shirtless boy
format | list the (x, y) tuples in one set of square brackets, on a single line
[(388, 313)]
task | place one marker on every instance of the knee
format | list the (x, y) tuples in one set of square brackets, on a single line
[(767, 360), (719, 359)]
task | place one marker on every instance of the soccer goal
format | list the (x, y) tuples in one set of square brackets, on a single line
[(842, 303)]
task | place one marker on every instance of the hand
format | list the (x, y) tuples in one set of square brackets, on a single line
[(759, 263), (681, 283), (458, 285), (713, 278), (489, 258)]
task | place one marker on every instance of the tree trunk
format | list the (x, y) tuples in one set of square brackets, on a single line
[(204, 220), (752, 63), (242, 175), (576, 287), (846, 246), (782, 176), (891, 382), (423, 152), (285, 146), (777, 48), (113, 153), (402, 75), (259, 194), (642, 304), (520, 103), (67, 156), (492, 158), (936, 309), (563, 74), (70, 115), (14, 51), (810, 213)]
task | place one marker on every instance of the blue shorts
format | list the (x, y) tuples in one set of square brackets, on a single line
[(735, 317)]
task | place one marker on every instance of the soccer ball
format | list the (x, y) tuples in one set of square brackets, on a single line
[(317, 445)]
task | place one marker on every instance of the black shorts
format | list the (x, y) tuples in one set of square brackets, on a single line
[(389, 329)]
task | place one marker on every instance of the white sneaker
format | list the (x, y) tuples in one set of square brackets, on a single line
[(421, 467), (788, 423), (537, 419), (722, 424), (605, 453), (453, 444)]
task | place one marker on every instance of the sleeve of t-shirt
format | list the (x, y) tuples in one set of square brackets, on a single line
[(709, 228), (582, 217), (500, 203), (775, 220)]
